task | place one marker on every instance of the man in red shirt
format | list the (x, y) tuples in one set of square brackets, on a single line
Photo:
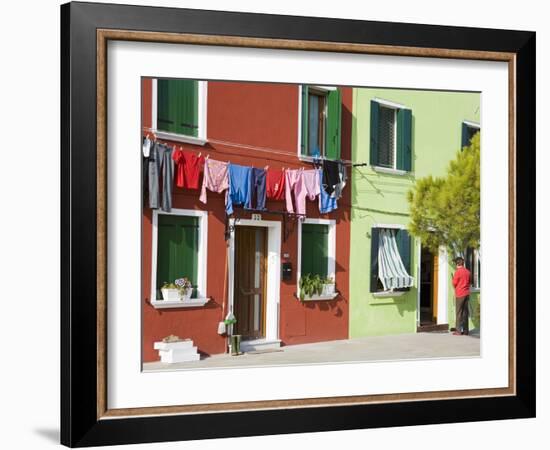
[(461, 283)]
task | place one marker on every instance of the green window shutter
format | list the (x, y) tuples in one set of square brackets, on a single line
[(305, 119), (333, 133), (374, 125), (374, 239), (188, 107), (314, 251), (177, 249), (465, 136), (403, 239), (404, 139), (165, 121), (178, 106)]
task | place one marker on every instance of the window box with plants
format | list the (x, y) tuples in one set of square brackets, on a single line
[(178, 294), (180, 289), (313, 287)]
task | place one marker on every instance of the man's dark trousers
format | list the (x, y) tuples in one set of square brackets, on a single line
[(462, 314)]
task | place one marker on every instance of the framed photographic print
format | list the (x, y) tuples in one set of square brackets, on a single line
[(277, 224)]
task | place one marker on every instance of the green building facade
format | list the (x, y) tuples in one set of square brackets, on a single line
[(403, 135)]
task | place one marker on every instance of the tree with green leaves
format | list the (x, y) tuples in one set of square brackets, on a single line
[(446, 210)]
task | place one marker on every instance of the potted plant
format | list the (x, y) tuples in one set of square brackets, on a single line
[(180, 289), (170, 291), (310, 285), (185, 288), (329, 286)]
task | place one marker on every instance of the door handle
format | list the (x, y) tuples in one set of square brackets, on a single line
[(243, 292), (250, 292)]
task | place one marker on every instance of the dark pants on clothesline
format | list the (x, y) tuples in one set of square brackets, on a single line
[(462, 313)]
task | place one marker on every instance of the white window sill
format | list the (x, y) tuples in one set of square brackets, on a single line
[(386, 294), (475, 290), (180, 138), (191, 303), (388, 170), (311, 159), (316, 298)]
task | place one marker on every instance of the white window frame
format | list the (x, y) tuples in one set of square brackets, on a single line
[(471, 124), (475, 284), (331, 269), (202, 249), (201, 138), (393, 168), (395, 106), (321, 89), (390, 292)]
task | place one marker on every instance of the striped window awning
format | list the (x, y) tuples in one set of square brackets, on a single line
[(391, 270)]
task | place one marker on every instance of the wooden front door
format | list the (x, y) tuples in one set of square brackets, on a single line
[(249, 297)]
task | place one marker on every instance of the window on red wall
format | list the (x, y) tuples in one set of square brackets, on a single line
[(178, 106), (321, 121)]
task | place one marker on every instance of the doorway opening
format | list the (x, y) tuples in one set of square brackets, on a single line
[(250, 280), (429, 277)]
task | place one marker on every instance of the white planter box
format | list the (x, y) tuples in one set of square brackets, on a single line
[(315, 298), (174, 352), (328, 289), (174, 294), (170, 294), (178, 345), (173, 356)]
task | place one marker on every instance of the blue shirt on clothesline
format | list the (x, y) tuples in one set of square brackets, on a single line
[(326, 202), (239, 187)]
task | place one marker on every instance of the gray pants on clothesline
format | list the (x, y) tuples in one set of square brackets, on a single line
[(160, 159)]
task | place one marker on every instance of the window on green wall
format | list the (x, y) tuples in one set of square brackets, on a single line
[(177, 250), (178, 106), (321, 121), (403, 241), (469, 130), (317, 248), (390, 136)]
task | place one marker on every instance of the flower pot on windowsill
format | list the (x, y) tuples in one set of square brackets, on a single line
[(170, 294), (186, 296), (329, 289)]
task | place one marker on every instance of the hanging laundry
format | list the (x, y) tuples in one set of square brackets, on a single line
[(326, 202), (331, 175), (343, 176), (256, 200), (309, 187), (303, 183), (275, 184), (215, 177), (292, 178), (188, 166), (239, 187), (146, 150), (160, 159), (146, 147)]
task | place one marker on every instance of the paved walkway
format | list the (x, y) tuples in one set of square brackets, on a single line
[(375, 348)]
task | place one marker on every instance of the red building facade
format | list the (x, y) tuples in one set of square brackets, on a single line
[(257, 125)]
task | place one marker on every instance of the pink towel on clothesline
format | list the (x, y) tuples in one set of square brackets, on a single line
[(215, 177), (303, 183)]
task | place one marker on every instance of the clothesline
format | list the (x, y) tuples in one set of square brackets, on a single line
[(244, 185), (263, 149)]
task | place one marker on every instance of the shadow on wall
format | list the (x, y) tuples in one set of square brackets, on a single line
[(326, 306), (403, 304)]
